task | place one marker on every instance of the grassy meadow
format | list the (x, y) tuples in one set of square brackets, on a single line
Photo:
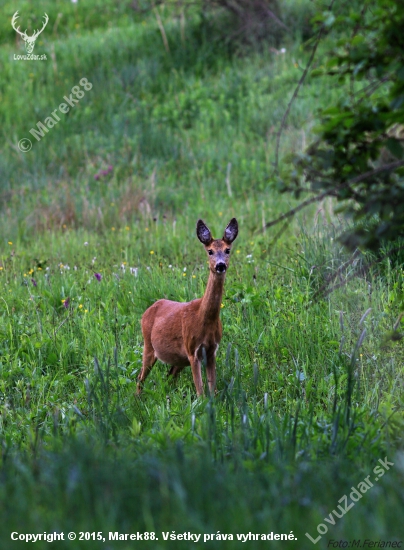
[(97, 221)]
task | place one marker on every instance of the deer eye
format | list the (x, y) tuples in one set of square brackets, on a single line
[(210, 252), (227, 251)]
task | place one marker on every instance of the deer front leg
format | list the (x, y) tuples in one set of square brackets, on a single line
[(196, 374), (149, 358), (211, 371)]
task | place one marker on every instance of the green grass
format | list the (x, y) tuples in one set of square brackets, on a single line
[(306, 403)]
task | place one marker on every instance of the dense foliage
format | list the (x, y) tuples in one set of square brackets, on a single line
[(357, 156)]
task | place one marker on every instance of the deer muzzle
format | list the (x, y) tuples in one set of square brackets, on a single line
[(220, 267)]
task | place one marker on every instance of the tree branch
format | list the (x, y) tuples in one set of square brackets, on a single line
[(357, 179)]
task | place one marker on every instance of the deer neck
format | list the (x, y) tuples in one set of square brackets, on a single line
[(212, 299)]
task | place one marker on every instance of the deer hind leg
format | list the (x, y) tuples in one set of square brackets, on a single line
[(149, 358), (211, 370)]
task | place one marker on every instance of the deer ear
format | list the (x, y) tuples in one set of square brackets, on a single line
[(203, 233), (231, 231)]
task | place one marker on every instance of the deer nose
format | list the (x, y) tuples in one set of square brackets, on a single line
[(220, 267)]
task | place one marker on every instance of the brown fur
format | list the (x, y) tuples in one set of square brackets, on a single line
[(177, 332)]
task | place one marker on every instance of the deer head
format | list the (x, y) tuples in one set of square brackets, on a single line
[(218, 249), (29, 40)]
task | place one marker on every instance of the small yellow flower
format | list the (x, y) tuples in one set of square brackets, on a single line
[(130, 292), (9, 242), (112, 204), (25, 275), (184, 274), (123, 263), (237, 251), (80, 306), (39, 268), (194, 276), (112, 228), (251, 242), (151, 251), (86, 311), (146, 229), (221, 306), (1, 267), (220, 213), (127, 228)]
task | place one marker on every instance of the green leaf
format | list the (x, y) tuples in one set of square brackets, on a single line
[(395, 147), (329, 20), (317, 72), (52, 358), (358, 39)]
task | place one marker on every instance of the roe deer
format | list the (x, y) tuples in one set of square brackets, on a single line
[(177, 332)]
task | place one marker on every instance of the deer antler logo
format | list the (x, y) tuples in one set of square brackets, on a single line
[(29, 40)]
